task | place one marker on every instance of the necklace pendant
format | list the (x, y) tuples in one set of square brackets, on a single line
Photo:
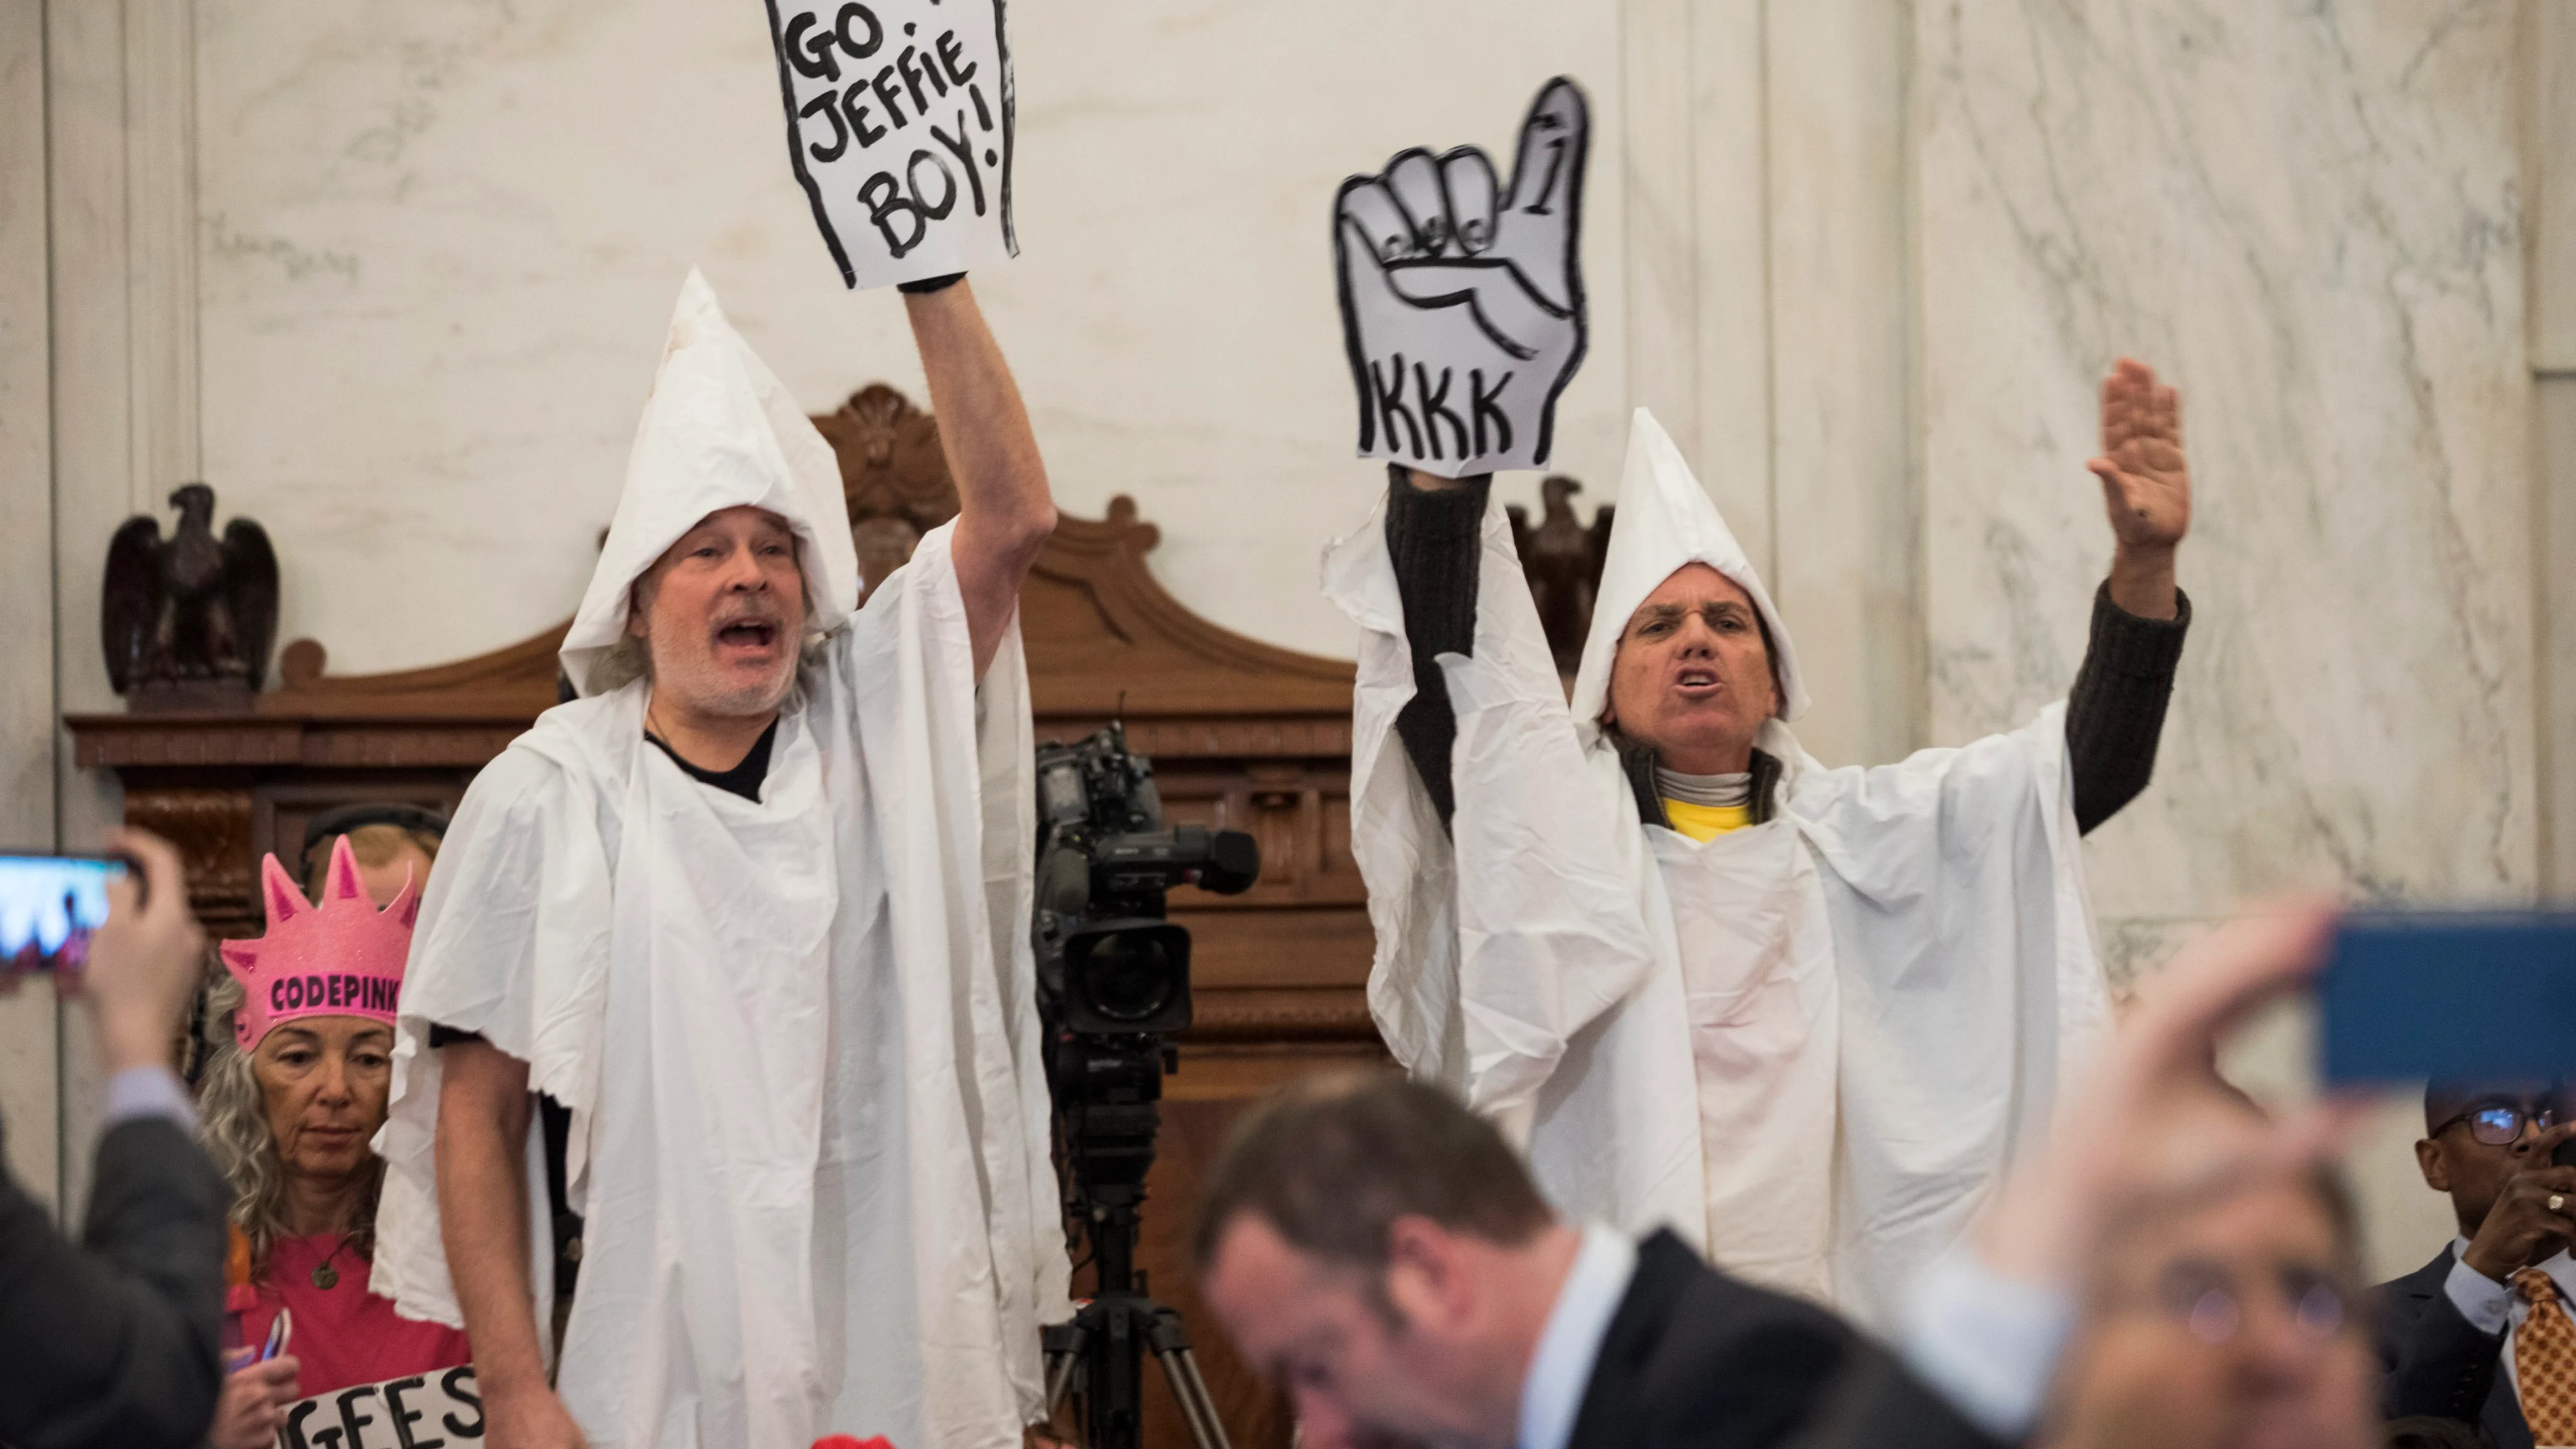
[(325, 1276)]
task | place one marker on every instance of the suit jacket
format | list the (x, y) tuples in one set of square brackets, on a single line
[(1694, 1359), (2433, 1361), (116, 1342)]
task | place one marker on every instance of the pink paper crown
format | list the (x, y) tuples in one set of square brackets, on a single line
[(340, 958)]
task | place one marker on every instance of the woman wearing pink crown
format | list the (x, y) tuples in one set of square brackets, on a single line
[(295, 1091)]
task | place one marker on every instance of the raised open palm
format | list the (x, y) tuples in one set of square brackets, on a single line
[(1462, 301), (2146, 484)]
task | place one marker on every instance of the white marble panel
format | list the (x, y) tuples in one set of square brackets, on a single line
[(161, 231), (2308, 216), (27, 1072), (1660, 172), (101, 439), (1847, 550), (2549, 137), (2554, 426), (1731, 196), (439, 244)]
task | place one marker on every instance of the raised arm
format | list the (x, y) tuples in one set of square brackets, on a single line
[(116, 1341), (1433, 532), (2116, 712), (1004, 511)]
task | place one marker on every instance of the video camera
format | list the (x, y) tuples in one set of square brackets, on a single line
[(1111, 963)]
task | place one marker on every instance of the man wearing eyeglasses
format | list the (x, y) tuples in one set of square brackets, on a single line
[(2483, 1333)]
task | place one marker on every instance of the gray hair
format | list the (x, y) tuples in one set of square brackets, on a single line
[(234, 1113)]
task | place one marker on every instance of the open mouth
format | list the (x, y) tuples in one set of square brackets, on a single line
[(1696, 682), (747, 634)]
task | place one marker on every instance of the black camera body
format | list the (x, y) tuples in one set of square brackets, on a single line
[(1113, 973), (1109, 964)]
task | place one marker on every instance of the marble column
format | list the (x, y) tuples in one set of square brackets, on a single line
[(1847, 563), (2309, 218), (2549, 171), (28, 1098), (120, 138)]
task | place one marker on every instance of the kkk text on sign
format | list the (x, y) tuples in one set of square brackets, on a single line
[(899, 124), (1462, 295)]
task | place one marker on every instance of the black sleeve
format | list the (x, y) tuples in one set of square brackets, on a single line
[(1436, 540), (118, 1341), (2437, 1364), (2116, 712)]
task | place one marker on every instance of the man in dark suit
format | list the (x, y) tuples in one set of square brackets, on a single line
[(1380, 1253), (2457, 1337), (116, 1341)]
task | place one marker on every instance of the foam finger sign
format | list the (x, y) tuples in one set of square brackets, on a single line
[(899, 127), (1462, 295)]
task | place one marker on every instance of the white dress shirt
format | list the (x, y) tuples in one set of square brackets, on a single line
[(2492, 1307), (1986, 1343), (149, 1092), (1571, 1343)]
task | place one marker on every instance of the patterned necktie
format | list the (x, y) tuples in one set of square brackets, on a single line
[(2544, 1361)]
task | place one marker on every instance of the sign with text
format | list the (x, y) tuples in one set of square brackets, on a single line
[(899, 125), (440, 1409), (1462, 296)]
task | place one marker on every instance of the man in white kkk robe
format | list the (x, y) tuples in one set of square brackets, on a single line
[(1803, 1015), (752, 911)]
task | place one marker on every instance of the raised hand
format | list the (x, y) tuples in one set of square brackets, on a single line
[(145, 963), (1462, 300), (2055, 1214), (2146, 486)]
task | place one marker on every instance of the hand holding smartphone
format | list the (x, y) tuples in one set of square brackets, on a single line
[(50, 908)]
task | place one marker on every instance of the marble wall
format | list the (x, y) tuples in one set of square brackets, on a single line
[(28, 1069), (438, 245), (2311, 218), (393, 278)]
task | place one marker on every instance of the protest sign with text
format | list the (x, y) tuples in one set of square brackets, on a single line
[(1462, 297), (899, 124)]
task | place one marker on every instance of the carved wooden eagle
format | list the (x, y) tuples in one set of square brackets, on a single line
[(1562, 559), (189, 608)]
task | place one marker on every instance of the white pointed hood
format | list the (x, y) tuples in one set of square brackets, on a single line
[(1666, 520), (719, 431)]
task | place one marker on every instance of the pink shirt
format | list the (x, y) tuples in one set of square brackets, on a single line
[(343, 1335)]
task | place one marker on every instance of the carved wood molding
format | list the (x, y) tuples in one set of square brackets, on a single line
[(1325, 1015), (512, 683), (1103, 636), (894, 476)]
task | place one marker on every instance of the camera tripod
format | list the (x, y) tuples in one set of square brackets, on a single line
[(1100, 1355), (1104, 1348)]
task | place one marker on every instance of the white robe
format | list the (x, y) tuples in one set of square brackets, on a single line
[(1809, 1045), (797, 1038)]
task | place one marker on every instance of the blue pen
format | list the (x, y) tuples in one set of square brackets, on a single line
[(278, 1333)]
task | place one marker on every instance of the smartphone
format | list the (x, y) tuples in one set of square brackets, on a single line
[(50, 906), (2450, 996)]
